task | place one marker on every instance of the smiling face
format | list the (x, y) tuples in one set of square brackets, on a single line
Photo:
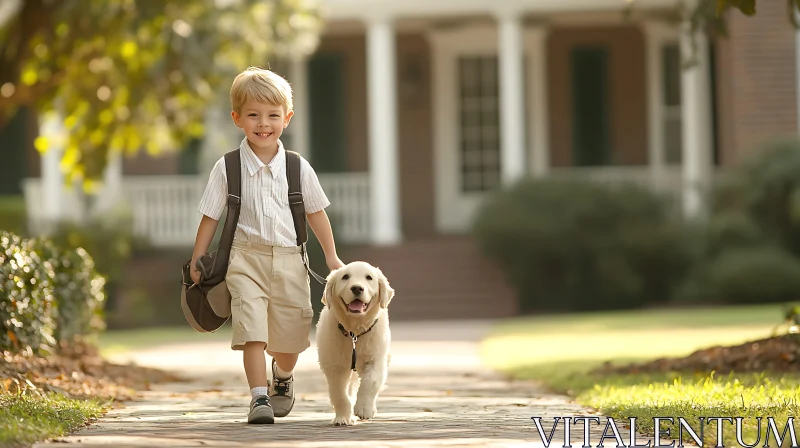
[(262, 123), (358, 289)]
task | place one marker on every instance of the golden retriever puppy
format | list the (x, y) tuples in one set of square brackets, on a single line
[(353, 339)]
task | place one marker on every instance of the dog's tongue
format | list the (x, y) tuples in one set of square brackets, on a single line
[(355, 305)]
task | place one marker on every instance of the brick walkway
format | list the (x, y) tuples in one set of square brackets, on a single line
[(438, 395)]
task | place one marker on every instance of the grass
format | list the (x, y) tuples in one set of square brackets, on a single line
[(117, 341), (26, 419), (561, 350)]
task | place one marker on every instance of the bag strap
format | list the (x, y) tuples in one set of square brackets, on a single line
[(297, 206), (296, 203), (233, 171)]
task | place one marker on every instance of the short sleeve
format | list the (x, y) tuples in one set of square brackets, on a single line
[(314, 197), (212, 204)]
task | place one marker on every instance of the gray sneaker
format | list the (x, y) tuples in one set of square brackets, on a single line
[(260, 410), (281, 393)]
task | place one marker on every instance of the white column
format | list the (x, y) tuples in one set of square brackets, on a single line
[(696, 116), (654, 40), (111, 193), (382, 108), (512, 105), (52, 176), (300, 94), (540, 125)]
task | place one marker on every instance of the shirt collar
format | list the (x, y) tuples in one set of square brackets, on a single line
[(254, 164)]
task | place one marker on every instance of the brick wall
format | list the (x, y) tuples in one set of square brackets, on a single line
[(415, 133), (627, 91), (756, 81)]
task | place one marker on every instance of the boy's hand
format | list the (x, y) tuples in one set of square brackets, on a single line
[(193, 272), (334, 263)]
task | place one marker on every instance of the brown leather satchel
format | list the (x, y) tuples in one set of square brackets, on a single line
[(207, 304)]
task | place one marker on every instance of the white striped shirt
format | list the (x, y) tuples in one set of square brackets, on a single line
[(265, 217)]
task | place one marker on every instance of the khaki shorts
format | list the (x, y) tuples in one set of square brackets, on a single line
[(270, 297)]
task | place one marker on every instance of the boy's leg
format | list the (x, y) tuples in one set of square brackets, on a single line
[(255, 368), (255, 364), (285, 361), (250, 331), (290, 317), (281, 390)]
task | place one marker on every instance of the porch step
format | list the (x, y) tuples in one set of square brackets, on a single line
[(443, 278)]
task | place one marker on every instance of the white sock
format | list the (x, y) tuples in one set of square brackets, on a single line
[(256, 391), (281, 373)]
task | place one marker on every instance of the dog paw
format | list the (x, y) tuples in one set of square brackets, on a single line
[(365, 411), (343, 421)]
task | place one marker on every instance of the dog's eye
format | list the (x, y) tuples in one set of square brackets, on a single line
[(346, 276), (369, 277)]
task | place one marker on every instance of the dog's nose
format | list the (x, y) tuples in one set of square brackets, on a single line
[(357, 290)]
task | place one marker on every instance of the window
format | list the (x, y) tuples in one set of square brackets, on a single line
[(671, 103), (590, 106), (479, 123)]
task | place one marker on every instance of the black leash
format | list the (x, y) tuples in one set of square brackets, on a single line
[(355, 338), (304, 256)]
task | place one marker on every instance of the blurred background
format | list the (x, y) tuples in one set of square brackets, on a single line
[(493, 158)]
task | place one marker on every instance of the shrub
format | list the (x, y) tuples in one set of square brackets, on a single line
[(731, 231), (26, 296), (48, 293), (568, 245), (769, 185), (744, 275), (77, 290)]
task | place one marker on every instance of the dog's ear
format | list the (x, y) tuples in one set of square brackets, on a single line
[(385, 290), (330, 284)]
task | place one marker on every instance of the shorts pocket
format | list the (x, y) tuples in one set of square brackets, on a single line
[(308, 313), (231, 257), (236, 306)]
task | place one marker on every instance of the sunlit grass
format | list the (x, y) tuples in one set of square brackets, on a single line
[(26, 419), (561, 352), (118, 341)]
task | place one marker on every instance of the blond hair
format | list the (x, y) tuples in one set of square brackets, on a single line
[(263, 86)]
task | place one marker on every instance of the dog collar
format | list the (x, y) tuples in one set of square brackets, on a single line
[(354, 337)]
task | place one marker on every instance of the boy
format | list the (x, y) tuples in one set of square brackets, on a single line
[(271, 300)]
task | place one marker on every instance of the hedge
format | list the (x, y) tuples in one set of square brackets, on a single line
[(580, 245), (47, 294)]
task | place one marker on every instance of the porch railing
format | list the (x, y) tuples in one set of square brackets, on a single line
[(164, 208)]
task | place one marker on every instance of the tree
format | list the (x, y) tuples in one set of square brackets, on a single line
[(128, 75)]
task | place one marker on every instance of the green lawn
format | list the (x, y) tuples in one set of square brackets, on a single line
[(560, 351), (26, 419), (116, 341)]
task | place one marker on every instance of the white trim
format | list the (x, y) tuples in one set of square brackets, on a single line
[(511, 82), (298, 128), (357, 9), (454, 208), (696, 108), (657, 35), (52, 176), (538, 117), (382, 105)]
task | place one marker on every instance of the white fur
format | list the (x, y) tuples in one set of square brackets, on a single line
[(354, 393)]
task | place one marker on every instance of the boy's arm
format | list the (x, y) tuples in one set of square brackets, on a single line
[(322, 229), (205, 233), (212, 204), (315, 202)]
